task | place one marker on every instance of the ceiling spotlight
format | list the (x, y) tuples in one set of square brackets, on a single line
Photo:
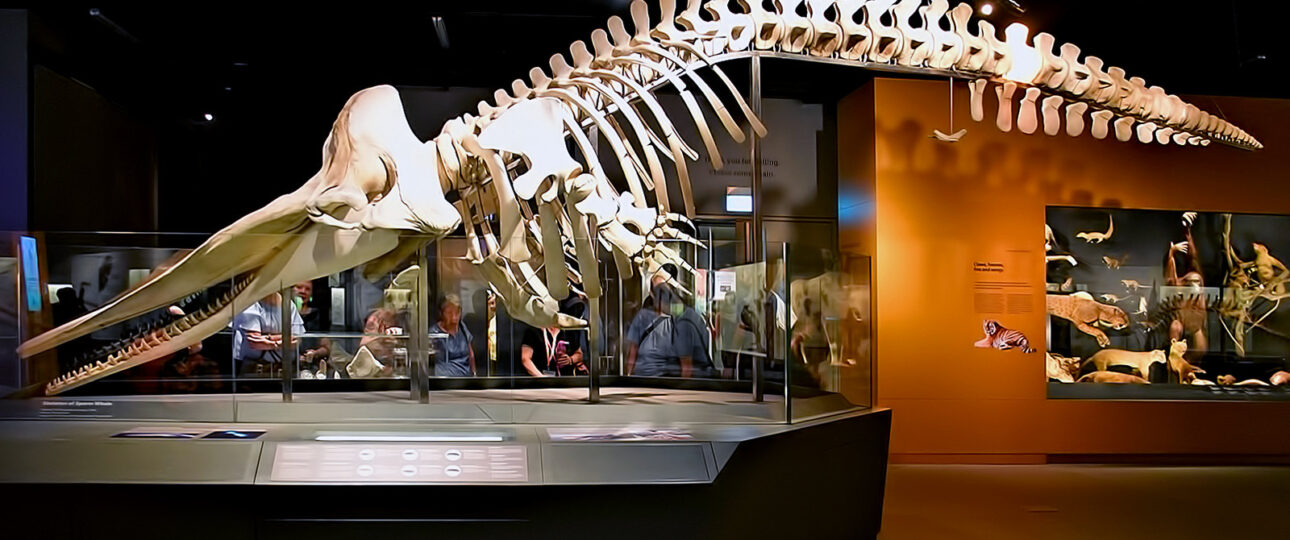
[(440, 30), (208, 117), (987, 9), (97, 14)]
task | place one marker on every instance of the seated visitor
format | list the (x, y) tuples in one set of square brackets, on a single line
[(257, 335), (313, 362), (454, 358), (378, 352)]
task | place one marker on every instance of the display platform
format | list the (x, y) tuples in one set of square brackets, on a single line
[(547, 405), (506, 480)]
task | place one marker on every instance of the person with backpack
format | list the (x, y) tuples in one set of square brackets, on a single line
[(667, 338)]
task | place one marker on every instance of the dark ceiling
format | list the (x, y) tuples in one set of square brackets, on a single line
[(273, 78), (180, 59)]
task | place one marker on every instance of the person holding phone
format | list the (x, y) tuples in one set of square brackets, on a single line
[(550, 351)]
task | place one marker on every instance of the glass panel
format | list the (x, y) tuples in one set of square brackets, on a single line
[(11, 373), (829, 343), (164, 359), (353, 347)]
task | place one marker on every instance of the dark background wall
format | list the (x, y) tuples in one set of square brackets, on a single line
[(94, 164), (13, 119)]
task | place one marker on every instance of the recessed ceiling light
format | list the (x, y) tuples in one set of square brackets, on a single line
[(208, 117), (987, 9)]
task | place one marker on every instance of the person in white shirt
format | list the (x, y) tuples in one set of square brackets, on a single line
[(257, 335)]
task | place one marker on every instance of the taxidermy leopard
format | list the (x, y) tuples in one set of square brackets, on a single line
[(1080, 308)]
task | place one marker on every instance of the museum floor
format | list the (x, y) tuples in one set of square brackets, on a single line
[(1085, 501)]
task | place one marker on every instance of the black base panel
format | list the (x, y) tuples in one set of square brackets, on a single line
[(1166, 392), (825, 480)]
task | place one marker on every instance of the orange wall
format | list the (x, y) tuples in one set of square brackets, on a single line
[(941, 206)]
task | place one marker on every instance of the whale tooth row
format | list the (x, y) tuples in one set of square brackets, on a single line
[(144, 342)]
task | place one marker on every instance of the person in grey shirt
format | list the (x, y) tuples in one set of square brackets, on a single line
[(667, 338), (257, 335), (455, 358)]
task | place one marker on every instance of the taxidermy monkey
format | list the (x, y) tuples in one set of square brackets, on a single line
[(1190, 317), (1113, 298), (1097, 237), (1270, 270), (1050, 243), (1131, 285), (1114, 263)]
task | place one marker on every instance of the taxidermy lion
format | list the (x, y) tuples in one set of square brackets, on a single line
[(1061, 368), (1141, 361), (1081, 309), (1113, 377)]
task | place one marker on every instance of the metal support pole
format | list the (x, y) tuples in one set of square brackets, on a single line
[(287, 347), (622, 330), (592, 356), (788, 329), (758, 254), (419, 341)]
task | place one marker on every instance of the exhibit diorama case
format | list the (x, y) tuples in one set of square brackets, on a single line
[(1178, 304)]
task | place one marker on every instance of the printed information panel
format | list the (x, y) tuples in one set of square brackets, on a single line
[(314, 462)]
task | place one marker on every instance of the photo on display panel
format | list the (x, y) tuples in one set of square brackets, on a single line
[(1154, 297)]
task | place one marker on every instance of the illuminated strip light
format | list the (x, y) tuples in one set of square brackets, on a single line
[(410, 438)]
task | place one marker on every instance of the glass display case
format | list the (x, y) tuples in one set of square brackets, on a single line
[(747, 352), (426, 337)]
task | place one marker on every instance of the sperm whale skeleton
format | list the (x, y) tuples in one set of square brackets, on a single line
[(537, 217)]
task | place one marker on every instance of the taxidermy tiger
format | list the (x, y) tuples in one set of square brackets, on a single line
[(1080, 308), (1140, 362), (998, 337)]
